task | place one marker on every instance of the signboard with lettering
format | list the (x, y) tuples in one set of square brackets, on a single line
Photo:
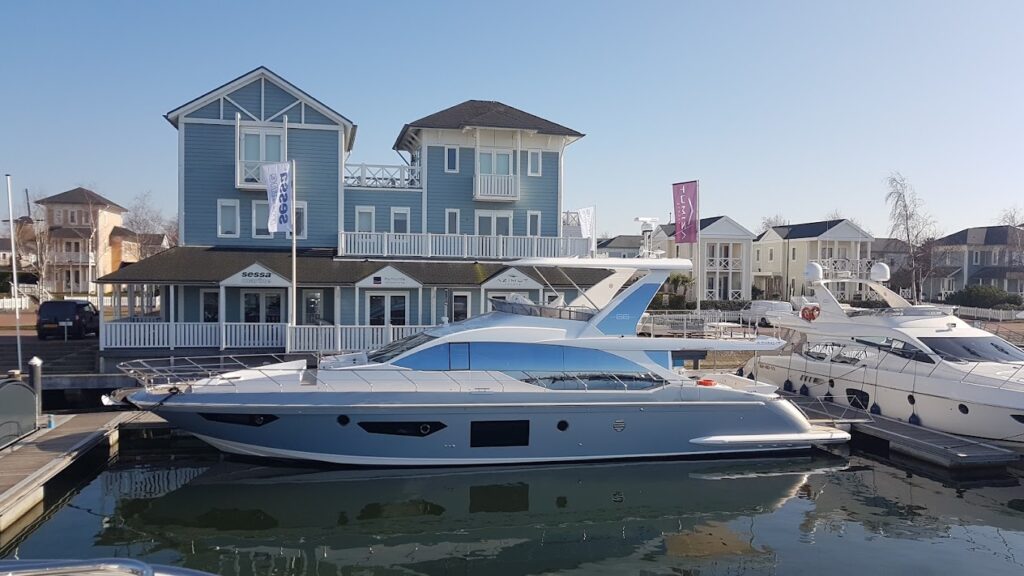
[(256, 275), (388, 277), (512, 279)]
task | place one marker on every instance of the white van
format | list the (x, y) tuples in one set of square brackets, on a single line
[(760, 312)]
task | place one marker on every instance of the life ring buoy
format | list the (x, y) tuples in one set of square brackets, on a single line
[(810, 313)]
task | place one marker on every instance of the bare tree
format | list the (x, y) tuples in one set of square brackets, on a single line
[(1012, 216), (147, 222), (909, 222), (773, 221), (171, 231), (837, 214)]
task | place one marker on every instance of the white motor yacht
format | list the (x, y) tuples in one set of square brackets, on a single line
[(915, 363), (525, 383)]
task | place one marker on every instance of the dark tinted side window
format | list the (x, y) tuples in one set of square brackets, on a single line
[(57, 309)]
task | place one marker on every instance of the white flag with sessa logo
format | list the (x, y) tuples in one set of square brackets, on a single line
[(279, 196)]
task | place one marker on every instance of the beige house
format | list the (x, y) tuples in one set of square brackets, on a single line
[(723, 264), (84, 240), (781, 255)]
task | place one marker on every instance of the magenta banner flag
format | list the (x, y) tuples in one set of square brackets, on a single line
[(684, 198)]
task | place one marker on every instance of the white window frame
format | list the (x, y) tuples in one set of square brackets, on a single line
[(58, 215), (447, 219), (976, 258), (387, 305), (457, 154), (469, 304), (262, 132), (532, 170), (253, 210), (72, 216), (202, 296), (301, 206), (757, 254), (263, 293), (305, 293), (493, 152), (792, 253), (408, 218), (771, 254), (221, 202), (373, 218), (494, 215), (529, 222)]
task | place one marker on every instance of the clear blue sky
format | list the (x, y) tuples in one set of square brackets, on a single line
[(791, 107)]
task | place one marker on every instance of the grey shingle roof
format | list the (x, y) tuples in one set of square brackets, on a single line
[(984, 236), (486, 114), (886, 245), (80, 196), (197, 265), (670, 228), (621, 241), (73, 233)]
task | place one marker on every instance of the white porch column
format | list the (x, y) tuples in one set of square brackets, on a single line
[(419, 300), (355, 307), (99, 304), (433, 304), (170, 315), (131, 301), (221, 308), (483, 305)]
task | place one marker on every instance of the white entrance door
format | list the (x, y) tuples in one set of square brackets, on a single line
[(387, 309), (263, 307)]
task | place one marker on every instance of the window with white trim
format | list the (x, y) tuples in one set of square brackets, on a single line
[(258, 146), (451, 159), (227, 218), (494, 222), (300, 221), (365, 217), (72, 216), (757, 255), (260, 219), (534, 158), (792, 253), (209, 305), (496, 162), (976, 258), (533, 223), (400, 220), (771, 254), (451, 221)]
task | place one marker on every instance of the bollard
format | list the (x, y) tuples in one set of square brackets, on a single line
[(36, 376)]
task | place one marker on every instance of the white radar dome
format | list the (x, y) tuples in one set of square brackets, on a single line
[(880, 272), (813, 272)]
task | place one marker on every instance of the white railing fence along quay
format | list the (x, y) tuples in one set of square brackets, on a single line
[(460, 245)]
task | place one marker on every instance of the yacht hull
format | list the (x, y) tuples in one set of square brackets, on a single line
[(481, 434), (946, 405)]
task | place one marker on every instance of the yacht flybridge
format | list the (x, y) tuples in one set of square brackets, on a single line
[(915, 363), (525, 383)]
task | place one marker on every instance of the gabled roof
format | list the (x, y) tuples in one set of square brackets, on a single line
[(80, 196), (670, 228), (174, 115), (198, 265), (72, 233), (137, 237), (486, 114), (627, 241), (809, 229), (985, 236), (884, 245)]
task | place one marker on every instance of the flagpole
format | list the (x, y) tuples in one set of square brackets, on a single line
[(295, 286), (702, 282), (14, 269)]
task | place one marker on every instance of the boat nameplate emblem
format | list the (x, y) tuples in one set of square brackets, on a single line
[(619, 425)]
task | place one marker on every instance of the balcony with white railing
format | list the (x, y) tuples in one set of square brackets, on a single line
[(723, 264), (384, 244), (501, 187), (383, 176), (856, 268), (75, 258)]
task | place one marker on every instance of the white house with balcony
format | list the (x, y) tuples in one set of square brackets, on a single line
[(384, 250), (722, 264), (781, 255)]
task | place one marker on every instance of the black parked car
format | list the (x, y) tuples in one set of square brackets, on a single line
[(78, 317)]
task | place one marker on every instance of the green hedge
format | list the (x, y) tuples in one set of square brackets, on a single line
[(976, 296)]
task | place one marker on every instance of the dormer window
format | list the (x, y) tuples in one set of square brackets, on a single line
[(257, 146)]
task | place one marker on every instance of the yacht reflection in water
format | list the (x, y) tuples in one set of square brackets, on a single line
[(234, 518)]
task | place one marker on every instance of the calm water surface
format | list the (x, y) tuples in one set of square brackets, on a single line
[(820, 515)]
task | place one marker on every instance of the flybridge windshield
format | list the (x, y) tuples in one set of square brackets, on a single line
[(975, 349), (397, 347)]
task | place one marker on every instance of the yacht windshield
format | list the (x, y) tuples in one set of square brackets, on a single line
[(397, 347), (975, 349)]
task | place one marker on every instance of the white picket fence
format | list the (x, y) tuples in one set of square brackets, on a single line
[(10, 304), (987, 314), (155, 334)]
